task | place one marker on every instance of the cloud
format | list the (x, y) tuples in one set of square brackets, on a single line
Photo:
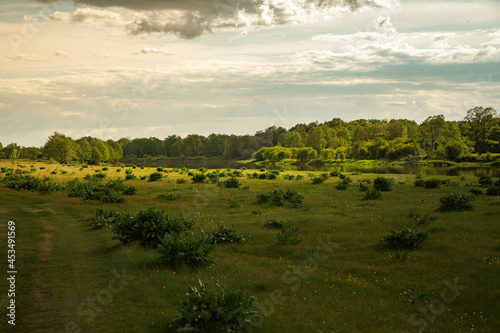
[(189, 19), (383, 44), (62, 53), (148, 50), (27, 57)]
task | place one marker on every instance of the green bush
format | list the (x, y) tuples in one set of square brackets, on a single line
[(288, 235), (364, 187), (320, 179), (485, 181), (215, 310), (342, 185), (281, 198), (230, 183), (422, 219), (168, 196), (148, 227), (233, 203), (493, 190), (155, 176), (455, 201), (177, 249), (129, 190), (405, 239), (103, 218), (372, 194), (225, 234), (199, 178), (431, 183), (476, 191), (275, 224), (181, 181), (383, 184)]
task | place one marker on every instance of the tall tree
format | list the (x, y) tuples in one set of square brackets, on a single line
[(479, 126), (431, 131), (60, 148)]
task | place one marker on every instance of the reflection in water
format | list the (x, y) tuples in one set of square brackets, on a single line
[(408, 169)]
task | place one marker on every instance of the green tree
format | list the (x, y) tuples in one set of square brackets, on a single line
[(14, 154), (431, 131), (479, 126), (61, 148), (316, 138)]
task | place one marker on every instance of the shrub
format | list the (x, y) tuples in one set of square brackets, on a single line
[(476, 191), (320, 179), (485, 181), (455, 201), (275, 224), (422, 219), (342, 185), (372, 194), (168, 196), (105, 169), (103, 218), (364, 187), (214, 310), (233, 203), (148, 226), (431, 183), (334, 173), (177, 249), (143, 177), (155, 176), (299, 177), (129, 174), (344, 178), (405, 239), (199, 178), (230, 183), (129, 190), (419, 182), (383, 184), (288, 177), (493, 190), (288, 235), (225, 234), (181, 181), (213, 177), (281, 198)]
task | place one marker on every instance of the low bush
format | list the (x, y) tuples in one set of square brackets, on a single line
[(281, 198), (155, 176), (181, 181), (476, 191), (230, 183), (233, 203), (288, 235), (103, 218), (148, 227), (456, 202), (422, 219), (485, 181), (320, 179), (199, 178), (224, 234), (275, 224), (383, 184), (191, 250), (493, 190), (129, 190), (168, 196), (342, 185), (372, 194), (215, 310), (405, 239)]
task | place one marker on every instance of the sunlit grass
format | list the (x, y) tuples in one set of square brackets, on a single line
[(357, 287)]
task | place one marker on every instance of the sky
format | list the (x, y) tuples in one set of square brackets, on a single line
[(154, 68)]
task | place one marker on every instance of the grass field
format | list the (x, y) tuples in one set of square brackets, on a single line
[(77, 279)]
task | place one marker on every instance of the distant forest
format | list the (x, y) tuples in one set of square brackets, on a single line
[(396, 139)]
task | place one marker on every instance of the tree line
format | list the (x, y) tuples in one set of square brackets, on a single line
[(395, 139)]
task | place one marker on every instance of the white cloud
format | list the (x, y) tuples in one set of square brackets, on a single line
[(62, 53), (22, 56), (148, 50)]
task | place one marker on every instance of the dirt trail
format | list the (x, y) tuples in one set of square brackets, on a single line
[(39, 294)]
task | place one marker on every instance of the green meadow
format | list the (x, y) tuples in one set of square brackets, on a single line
[(339, 278)]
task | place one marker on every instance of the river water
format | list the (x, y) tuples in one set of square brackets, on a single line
[(407, 169)]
